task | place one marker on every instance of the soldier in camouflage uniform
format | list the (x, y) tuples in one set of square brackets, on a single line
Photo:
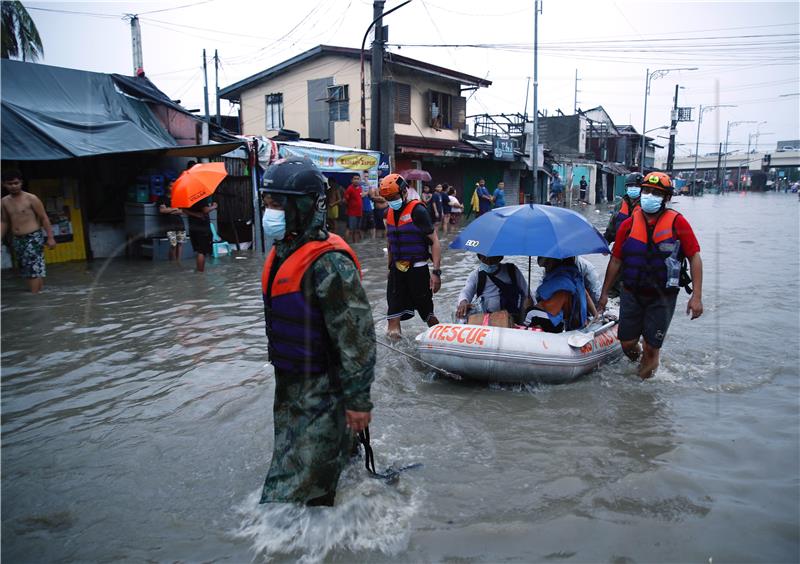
[(321, 339)]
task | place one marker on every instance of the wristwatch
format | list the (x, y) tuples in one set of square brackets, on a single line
[(437, 272)]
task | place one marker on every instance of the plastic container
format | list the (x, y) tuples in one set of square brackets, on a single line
[(673, 267)]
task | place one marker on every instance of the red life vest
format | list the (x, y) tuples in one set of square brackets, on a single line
[(406, 241), (646, 249), (297, 338), (624, 212)]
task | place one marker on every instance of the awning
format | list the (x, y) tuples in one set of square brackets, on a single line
[(614, 168)]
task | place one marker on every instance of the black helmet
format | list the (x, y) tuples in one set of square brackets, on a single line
[(295, 176), (634, 179)]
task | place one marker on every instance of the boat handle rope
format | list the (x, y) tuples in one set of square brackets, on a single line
[(412, 357), (390, 475)]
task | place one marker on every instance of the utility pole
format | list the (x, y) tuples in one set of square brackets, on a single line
[(216, 85), (205, 100), (672, 131), (136, 43), (205, 84), (575, 105), (719, 162), (535, 192), (376, 75)]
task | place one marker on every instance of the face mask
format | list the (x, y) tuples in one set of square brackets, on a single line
[(274, 223), (651, 203), (489, 268), (634, 192), (396, 204)]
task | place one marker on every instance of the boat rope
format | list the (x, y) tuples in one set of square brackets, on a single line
[(391, 474), (411, 356)]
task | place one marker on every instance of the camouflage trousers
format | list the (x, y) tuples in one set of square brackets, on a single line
[(312, 442)]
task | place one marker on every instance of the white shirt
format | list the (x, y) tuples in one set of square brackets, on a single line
[(590, 278), (412, 194), (490, 299)]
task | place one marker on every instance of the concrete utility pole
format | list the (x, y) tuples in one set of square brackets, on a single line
[(536, 194), (216, 85), (205, 134), (136, 43), (672, 131), (575, 104), (719, 163), (376, 75), (205, 84)]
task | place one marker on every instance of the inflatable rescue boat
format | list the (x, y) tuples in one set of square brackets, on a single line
[(500, 354)]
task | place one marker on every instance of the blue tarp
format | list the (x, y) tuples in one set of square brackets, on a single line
[(51, 113)]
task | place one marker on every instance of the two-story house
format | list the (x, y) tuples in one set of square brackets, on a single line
[(318, 94)]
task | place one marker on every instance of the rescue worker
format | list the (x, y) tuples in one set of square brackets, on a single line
[(320, 335), (649, 249), (625, 207), (498, 286), (562, 300), (412, 242)]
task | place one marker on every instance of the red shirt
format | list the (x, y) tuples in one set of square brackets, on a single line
[(689, 243), (353, 198)]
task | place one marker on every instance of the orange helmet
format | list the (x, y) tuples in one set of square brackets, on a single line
[(658, 180), (392, 184)]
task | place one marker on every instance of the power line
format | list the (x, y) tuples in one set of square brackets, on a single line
[(92, 14), (176, 7)]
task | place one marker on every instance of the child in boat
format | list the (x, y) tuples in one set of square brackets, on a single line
[(562, 301), (498, 286)]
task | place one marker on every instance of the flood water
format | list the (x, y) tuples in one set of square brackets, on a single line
[(137, 424)]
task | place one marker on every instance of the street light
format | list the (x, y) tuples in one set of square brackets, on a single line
[(658, 73), (657, 128), (725, 152), (703, 109)]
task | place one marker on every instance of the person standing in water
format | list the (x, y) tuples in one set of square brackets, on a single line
[(321, 339)]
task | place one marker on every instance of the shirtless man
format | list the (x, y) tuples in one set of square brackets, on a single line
[(24, 214)]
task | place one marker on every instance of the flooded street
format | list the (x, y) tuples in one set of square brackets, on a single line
[(137, 424)]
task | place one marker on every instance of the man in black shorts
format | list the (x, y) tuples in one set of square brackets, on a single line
[(200, 230), (412, 241)]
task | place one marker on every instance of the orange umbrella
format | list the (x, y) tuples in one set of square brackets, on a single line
[(197, 183)]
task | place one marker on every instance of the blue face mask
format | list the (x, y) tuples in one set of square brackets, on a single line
[(489, 268), (274, 223), (634, 192), (651, 203), (396, 204)]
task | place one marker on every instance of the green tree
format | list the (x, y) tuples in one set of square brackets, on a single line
[(20, 38)]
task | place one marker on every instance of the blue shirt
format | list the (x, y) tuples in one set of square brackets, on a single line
[(499, 198), (484, 205)]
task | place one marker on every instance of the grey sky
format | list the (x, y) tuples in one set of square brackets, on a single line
[(747, 52)]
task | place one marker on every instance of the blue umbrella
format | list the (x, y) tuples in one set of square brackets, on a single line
[(531, 230)]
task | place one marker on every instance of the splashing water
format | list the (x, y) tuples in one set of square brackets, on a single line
[(369, 516)]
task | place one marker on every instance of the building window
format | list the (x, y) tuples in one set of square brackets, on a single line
[(339, 103), (441, 110), (402, 103), (274, 111)]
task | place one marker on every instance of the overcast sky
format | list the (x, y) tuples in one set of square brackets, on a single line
[(747, 53)]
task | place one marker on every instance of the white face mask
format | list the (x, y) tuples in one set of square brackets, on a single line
[(274, 223), (634, 192), (396, 204)]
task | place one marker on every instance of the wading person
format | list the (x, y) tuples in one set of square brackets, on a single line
[(24, 214), (649, 250), (625, 207), (412, 241), (176, 231), (200, 230), (321, 339)]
